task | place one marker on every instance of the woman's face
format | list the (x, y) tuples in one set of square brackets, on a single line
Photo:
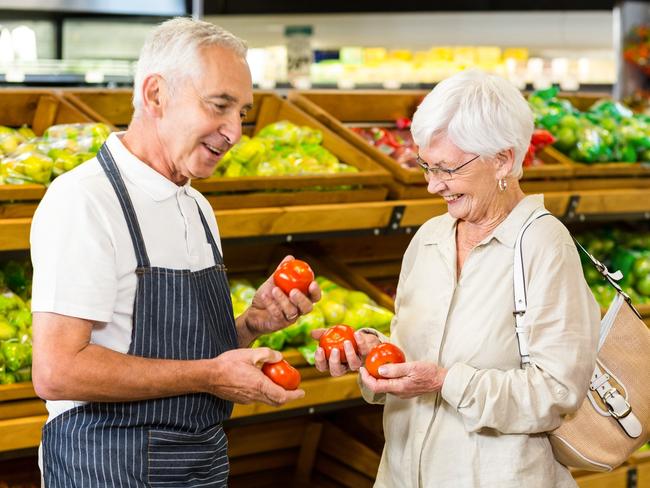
[(471, 190)]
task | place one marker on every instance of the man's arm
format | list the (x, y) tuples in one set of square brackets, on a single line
[(66, 366)]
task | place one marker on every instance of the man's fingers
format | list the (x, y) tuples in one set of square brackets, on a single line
[(262, 355)]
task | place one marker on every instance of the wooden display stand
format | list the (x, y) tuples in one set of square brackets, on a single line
[(369, 184), (340, 110)]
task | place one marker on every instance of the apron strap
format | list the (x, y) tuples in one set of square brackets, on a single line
[(112, 172), (218, 260)]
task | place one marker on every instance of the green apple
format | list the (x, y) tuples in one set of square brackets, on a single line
[(334, 312)]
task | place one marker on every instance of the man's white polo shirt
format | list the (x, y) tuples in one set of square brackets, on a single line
[(82, 253)]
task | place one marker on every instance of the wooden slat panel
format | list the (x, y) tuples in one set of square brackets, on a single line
[(342, 474), (615, 479), (614, 201), (21, 192), (22, 408), (269, 436), (307, 456), (608, 183), (14, 234), (305, 197), (273, 478), (263, 461), (338, 444), (318, 391), (300, 219), (17, 210), (17, 391), (21, 433)]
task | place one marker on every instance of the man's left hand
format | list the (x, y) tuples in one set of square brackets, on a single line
[(272, 310), (406, 380)]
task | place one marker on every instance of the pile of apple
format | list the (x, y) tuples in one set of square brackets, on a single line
[(15, 322), (338, 305), (25, 158), (628, 252), (281, 149)]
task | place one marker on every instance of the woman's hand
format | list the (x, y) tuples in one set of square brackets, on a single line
[(406, 380), (365, 341)]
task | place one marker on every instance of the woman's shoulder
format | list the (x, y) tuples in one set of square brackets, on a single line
[(547, 235)]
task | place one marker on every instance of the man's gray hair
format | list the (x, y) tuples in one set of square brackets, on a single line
[(172, 50), (481, 113)]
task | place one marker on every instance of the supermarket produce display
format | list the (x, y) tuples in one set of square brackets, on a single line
[(30, 159), (607, 132), (338, 305), (15, 322), (281, 148)]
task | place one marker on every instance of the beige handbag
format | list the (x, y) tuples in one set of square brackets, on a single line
[(614, 419)]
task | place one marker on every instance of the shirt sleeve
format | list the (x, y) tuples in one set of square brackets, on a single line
[(564, 322), (73, 255)]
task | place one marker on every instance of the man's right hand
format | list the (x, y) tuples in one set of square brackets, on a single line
[(236, 376)]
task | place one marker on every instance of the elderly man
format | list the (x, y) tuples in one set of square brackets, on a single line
[(135, 345)]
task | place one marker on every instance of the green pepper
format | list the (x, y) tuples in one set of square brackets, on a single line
[(23, 374), (7, 330), (308, 351), (21, 319), (7, 378), (16, 355)]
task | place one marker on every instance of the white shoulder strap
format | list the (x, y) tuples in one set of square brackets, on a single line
[(617, 404), (520, 289)]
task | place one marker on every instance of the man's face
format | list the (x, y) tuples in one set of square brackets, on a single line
[(202, 117)]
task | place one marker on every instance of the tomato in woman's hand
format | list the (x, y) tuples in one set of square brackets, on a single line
[(293, 274), (334, 337), (381, 354), (283, 374)]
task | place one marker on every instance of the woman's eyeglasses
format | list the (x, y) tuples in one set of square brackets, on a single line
[(440, 173)]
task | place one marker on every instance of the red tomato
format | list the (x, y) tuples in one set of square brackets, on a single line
[(385, 353), (293, 274), (334, 337), (283, 374)]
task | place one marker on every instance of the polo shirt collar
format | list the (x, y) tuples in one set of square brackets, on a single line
[(141, 174)]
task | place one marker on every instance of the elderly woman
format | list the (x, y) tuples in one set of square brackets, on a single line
[(462, 412)]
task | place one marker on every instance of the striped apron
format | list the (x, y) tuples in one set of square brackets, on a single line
[(167, 442)]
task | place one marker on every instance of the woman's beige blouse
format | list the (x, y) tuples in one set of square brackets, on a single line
[(486, 428)]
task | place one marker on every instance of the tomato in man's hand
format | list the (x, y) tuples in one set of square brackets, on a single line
[(283, 374), (381, 354), (293, 274), (334, 337)]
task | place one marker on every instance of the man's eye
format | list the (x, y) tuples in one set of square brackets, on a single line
[(243, 115), (220, 107)]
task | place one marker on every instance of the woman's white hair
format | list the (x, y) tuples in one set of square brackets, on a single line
[(481, 113), (172, 50)]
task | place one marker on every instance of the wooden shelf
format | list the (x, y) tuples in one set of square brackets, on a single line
[(369, 216)]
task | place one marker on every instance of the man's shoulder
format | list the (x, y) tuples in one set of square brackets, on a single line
[(86, 180)]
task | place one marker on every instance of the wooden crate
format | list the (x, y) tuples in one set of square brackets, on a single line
[(114, 107), (38, 109), (339, 110)]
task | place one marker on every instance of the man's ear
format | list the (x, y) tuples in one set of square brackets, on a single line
[(154, 90), (505, 161)]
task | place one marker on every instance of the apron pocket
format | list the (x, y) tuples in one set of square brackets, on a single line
[(186, 459)]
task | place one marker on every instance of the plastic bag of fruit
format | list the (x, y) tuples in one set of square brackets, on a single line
[(77, 138), (27, 164)]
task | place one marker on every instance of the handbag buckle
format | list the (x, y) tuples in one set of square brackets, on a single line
[(617, 415)]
